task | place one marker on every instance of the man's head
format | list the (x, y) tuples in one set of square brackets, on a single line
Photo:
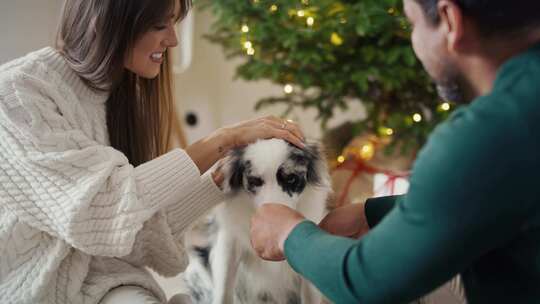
[(447, 34)]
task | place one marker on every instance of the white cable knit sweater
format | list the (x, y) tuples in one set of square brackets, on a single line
[(76, 219)]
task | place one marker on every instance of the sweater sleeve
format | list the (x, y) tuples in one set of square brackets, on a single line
[(461, 205), (159, 245), (55, 178)]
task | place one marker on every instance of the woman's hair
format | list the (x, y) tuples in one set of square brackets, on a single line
[(96, 37)]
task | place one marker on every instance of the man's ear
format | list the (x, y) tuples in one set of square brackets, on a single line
[(453, 21)]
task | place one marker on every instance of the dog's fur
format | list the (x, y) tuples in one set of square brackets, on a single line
[(223, 268)]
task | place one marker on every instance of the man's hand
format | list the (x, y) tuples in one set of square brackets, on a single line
[(348, 221), (270, 227)]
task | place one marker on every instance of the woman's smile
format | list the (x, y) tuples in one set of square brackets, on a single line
[(157, 57)]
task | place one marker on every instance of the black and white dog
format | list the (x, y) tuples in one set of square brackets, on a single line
[(223, 268)]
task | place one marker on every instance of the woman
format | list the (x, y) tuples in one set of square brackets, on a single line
[(89, 195)]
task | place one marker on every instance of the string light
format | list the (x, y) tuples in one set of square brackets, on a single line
[(288, 89), (386, 131), (445, 106), (335, 39), (368, 151), (341, 159)]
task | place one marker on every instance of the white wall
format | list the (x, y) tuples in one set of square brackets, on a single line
[(26, 25)]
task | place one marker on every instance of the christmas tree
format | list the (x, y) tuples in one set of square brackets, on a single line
[(327, 54)]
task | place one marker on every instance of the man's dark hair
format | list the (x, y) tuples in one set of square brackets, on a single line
[(493, 16)]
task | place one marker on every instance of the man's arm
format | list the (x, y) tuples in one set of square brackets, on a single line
[(457, 209)]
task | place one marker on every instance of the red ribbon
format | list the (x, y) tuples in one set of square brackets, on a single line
[(358, 166)]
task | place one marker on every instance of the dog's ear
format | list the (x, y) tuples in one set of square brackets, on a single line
[(234, 171), (313, 156)]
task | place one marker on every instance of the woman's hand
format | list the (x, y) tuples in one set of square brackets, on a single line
[(270, 227), (348, 221), (207, 151), (218, 176), (247, 132)]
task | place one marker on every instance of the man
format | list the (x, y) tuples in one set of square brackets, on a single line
[(473, 206)]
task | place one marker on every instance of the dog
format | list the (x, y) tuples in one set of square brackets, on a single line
[(223, 267)]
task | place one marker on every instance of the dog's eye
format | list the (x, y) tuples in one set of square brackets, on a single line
[(291, 179), (255, 181)]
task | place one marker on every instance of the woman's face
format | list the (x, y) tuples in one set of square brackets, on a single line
[(150, 49)]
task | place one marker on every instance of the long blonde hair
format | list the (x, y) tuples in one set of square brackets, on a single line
[(95, 37)]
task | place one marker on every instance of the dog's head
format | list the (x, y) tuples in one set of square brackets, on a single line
[(274, 171)]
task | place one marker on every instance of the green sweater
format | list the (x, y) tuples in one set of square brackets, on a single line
[(473, 207)]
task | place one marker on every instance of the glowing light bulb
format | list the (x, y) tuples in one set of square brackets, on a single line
[(310, 21), (245, 28), (301, 13), (367, 152), (341, 159), (445, 106), (336, 39), (417, 117), (384, 131), (250, 51), (273, 8), (288, 89), (248, 45)]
